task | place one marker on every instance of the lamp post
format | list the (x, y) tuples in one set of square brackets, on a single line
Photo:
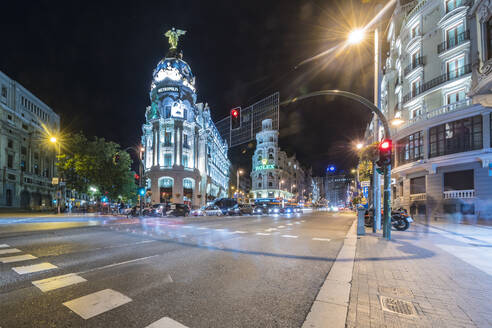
[(56, 142), (238, 173)]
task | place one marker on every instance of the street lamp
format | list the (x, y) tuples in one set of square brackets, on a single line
[(359, 146), (356, 36), (56, 142), (238, 173)]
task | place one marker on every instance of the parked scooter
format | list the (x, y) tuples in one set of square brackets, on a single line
[(400, 220)]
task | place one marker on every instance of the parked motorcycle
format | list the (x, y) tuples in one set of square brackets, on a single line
[(400, 220)]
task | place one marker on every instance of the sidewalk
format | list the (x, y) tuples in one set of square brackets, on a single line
[(437, 275)]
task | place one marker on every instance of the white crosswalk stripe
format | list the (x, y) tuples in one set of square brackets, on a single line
[(263, 234), (89, 306), (321, 239), (34, 268), (289, 236), (4, 245), (17, 258), (52, 283), (280, 227), (9, 251), (166, 322)]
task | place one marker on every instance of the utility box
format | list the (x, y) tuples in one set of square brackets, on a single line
[(361, 229)]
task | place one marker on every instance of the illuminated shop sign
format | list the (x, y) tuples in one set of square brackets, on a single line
[(265, 167), (168, 89)]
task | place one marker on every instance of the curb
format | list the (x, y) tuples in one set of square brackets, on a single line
[(331, 304)]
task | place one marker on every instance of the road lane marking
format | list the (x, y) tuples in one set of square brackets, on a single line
[(166, 322), (271, 229), (4, 245), (220, 229), (202, 228), (298, 222), (289, 236), (89, 306), (322, 239), (9, 250), (17, 258), (263, 234), (34, 268), (289, 224), (239, 231), (280, 227), (119, 263), (303, 220), (52, 283)]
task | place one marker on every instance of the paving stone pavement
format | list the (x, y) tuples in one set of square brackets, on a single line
[(440, 288)]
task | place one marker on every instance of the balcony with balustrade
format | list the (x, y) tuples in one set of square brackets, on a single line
[(461, 39), (459, 194), (418, 62)]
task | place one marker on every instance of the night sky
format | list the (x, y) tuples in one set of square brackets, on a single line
[(92, 64)]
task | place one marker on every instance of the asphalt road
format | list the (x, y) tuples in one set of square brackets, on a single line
[(258, 271)]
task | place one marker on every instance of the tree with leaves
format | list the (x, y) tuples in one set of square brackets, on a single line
[(97, 163)]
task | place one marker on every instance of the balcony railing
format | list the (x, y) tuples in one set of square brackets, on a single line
[(414, 10), (460, 39), (459, 194), (417, 197), (449, 76), (419, 61), (436, 112), (459, 4)]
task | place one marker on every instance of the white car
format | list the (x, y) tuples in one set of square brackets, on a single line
[(213, 210)]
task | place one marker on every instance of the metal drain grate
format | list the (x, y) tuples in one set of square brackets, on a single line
[(397, 306)]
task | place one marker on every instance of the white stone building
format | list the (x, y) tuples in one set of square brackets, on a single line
[(274, 174), (436, 79), (27, 160), (185, 158)]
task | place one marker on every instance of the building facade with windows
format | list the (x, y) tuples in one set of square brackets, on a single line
[(436, 80), (27, 160), (274, 174), (337, 189), (185, 158)]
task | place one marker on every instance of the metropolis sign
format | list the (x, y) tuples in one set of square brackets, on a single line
[(265, 167), (168, 89)]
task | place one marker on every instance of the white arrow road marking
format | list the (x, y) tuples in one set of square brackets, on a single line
[(289, 236), (9, 250), (263, 234), (322, 239), (17, 258), (34, 268), (166, 322), (52, 283), (89, 306)]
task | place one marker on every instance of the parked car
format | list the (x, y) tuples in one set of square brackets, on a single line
[(273, 209), (298, 209), (198, 211), (159, 209), (213, 210), (178, 210), (287, 210), (241, 209)]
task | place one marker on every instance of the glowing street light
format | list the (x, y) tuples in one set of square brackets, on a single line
[(397, 121), (356, 36), (53, 139), (359, 146)]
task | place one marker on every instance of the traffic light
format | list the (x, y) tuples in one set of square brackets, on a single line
[(141, 191), (236, 118), (384, 153)]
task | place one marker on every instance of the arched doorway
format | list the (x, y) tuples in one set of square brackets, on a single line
[(25, 199), (188, 188), (166, 189)]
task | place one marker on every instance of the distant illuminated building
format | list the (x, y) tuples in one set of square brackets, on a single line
[(274, 174), (185, 158)]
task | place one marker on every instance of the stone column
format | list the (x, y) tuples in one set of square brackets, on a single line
[(178, 189), (154, 187), (158, 144), (426, 147)]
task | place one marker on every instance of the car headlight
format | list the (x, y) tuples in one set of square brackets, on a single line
[(275, 210)]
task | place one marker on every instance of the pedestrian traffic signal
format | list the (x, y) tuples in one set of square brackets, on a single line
[(236, 118), (141, 191), (385, 147)]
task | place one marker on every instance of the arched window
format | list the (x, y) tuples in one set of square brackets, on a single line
[(270, 175), (270, 156), (259, 184), (260, 176)]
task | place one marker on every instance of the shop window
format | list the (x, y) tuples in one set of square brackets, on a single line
[(417, 185), (459, 180)]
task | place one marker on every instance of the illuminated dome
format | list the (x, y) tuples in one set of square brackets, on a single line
[(173, 72)]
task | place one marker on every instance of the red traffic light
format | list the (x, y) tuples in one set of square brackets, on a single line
[(137, 176), (385, 144), (234, 113)]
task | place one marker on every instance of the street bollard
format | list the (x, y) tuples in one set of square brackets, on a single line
[(361, 229)]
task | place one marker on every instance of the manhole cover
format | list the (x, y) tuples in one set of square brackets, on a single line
[(397, 306)]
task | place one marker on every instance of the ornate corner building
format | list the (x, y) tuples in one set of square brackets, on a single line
[(437, 80), (274, 174), (185, 158), (27, 162)]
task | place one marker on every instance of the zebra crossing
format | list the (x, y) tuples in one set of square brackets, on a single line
[(87, 306)]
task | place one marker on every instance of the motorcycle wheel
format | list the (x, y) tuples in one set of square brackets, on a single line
[(401, 225)]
